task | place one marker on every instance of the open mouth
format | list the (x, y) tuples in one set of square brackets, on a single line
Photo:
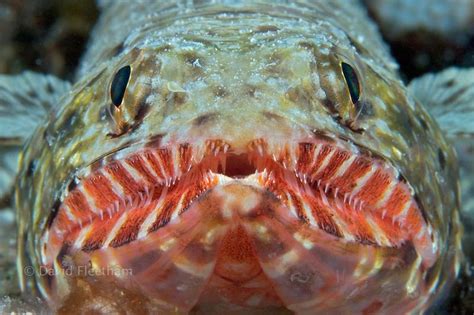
[(341, 191)]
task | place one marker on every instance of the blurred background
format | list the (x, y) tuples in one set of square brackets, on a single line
[(44, 35)]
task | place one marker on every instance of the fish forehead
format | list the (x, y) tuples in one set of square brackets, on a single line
[(199, 88), (215, 22)]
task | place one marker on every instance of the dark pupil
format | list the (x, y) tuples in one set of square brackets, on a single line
[(352, 81), (119, 84)]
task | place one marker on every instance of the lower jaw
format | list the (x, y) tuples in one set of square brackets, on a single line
[(283, 263), (238, 281), (244, 254)]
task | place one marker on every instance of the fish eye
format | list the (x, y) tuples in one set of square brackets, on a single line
[(119, 84), (352, 81)]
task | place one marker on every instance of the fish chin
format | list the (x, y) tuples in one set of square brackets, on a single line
[(275, 225)]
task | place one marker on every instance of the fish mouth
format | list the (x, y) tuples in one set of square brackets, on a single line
[(332, 189)]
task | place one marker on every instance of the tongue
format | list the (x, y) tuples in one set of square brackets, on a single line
[(238, 279), (236, 261)]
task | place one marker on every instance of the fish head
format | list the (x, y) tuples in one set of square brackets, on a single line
[(287, 176)]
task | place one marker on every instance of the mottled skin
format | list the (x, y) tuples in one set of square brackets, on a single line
[(202, 74)]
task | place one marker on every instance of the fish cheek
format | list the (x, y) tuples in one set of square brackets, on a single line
[(67, 125)]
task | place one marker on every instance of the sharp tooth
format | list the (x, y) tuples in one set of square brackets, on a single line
[(326, 188), (270, 177), (323, 197), (116, 206), (260, 149), (345, 197), (350, 200), (222, 160), (198, 154), (354, 205), (175, 156), (109, 212)]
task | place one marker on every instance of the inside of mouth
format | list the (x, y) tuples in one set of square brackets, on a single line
[(346, 194), (237, 166)]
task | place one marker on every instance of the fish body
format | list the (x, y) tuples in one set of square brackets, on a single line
[(238, 156)]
